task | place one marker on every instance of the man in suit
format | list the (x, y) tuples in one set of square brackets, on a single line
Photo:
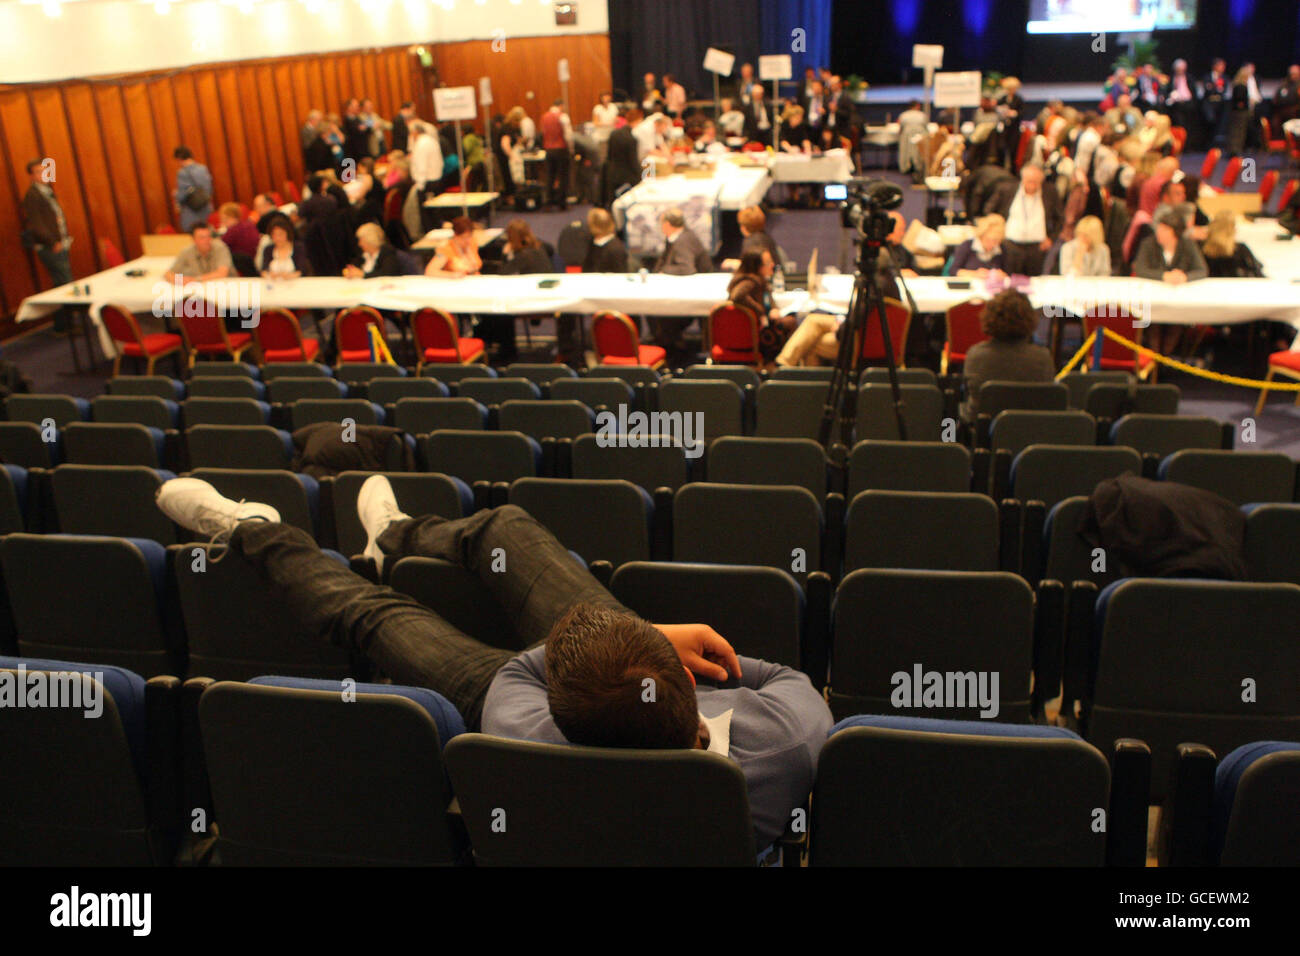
[(1216, 87), (1181, 99), (683, 255), (815, 109), (1148, 88), (607, 252), (401, 131), (1286, 101), (622, 162), (839, 108), (760, 118), (1034, 218), (743, 91)]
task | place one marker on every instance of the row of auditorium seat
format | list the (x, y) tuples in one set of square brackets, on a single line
[(287, 771)]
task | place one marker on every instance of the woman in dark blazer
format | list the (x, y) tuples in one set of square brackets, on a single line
[(377, 257), (285, 256), (749, 288)]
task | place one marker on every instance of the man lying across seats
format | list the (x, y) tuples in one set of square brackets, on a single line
[(590, 662)]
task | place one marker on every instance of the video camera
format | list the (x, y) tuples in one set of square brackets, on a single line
[(865, 206)]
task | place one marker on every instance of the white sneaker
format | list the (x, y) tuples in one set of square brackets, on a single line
[(194, 504), (377, 509)]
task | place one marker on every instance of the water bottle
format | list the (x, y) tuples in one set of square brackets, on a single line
[(778, 280), (644, 273)]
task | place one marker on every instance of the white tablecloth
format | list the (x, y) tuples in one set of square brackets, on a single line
[(834, 166), (1209, 301), (1279, 257)]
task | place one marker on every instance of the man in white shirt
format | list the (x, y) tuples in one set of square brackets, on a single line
[(758, 122), (1180, 97), (745, 87), (1033, 216), (1086, 146), (731, 120), (426, 157), (604, 114), (651, 135)]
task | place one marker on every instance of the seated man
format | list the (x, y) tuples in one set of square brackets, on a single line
[(581, 681), (208, 258)]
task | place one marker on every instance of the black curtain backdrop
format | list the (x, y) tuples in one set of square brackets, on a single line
[(874, 39)]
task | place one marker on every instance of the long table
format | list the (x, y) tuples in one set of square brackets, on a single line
[(1209, 301)]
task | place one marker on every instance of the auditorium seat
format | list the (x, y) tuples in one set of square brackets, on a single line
[(236, 628), (922, 530), (233, 386), (310, 411), (1115, 399), (115, 500), (147, 410), (1272, 531), (811, 373), (363, 372), (1243, 477), (1067, 556), (650, 467), (889, 622), (417, 495), (1014, 430), (549, 418), (759, 610), (923, 413), (160, 386), (278, 748), (914, 791), (494, 391), (599, 520), (453, 374), (634, 375), (1189, 660), (1256, 793), (909, 466), (100, 792), (996, 396), (283, 390), (238, 446), (790, 410), (225, 370), (22, 444), (388, 391), (540, 373), (593, 806), (92, 598), (738, 460), (1079, 383), (295, 496), (420, 416), (474, 456), (458, 596), (273, 370), (14, 498), (774, 526), (742, 375), (906, 376), (95, 443), (224, 411), (719, 403), (1050, 473), (39, 409), (1162, 435), (595, 392)]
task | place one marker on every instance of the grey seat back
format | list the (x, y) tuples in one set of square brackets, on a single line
[(657, 463), (546, 419), (115, 500), (481, 456), (1162, 435), (1049, 473), (1243, 477), (737, 524), (417, 495), (600, 520), (717, 404), (923, 530), (909, 466), (748, 460), (922, 412), (1016, 429)]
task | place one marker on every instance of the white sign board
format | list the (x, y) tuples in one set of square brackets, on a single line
[(925, 55), (485, 91), (776, 66), (719, 62), (564, 70), (957, 89), (454, 103)]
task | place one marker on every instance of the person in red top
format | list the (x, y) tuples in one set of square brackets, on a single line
[(241, 236), (557, 137), (1149, 197)]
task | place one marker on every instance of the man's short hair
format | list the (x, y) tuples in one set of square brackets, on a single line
[(182, 152), (600, 222), (1173, 219), (674, 218), (316, 185), (200, 227), (34, 164), (613, 680), (752, 218)]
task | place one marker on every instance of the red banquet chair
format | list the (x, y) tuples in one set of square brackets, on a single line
[(618, 342), (1231, 172), (1266, 187), (1280, 363), (110, 254), (1287, 192), (280, 339), (1180, 138), (899, 318), (352, 333), (964, 330), (132, 343), (733, 335), (1114, 355), (207, 335), (1271, 145), (438, 341), (1211, 160)]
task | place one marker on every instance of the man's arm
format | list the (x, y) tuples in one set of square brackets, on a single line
[(516, 705), (1197, 268)]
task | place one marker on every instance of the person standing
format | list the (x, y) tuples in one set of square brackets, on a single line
[(401, 126), (557, 139), (46, 227), (193, 196), (1180, 100), (1215, 89)]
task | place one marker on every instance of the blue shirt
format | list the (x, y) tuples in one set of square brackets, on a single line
[(779, 723)]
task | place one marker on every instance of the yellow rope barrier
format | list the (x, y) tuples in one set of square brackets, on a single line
[(1083, 350), (382, 354), (1200, 372)]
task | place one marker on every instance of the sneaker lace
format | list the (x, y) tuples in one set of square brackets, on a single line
[(221, 539)]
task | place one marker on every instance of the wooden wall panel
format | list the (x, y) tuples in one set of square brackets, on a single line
[(112, 137)]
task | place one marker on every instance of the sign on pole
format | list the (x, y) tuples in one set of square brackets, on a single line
[(454, 103), (957, 89), (776, 66), (926, 55), (719, 61), (485, 91)]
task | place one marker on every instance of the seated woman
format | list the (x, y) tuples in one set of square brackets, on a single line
[(749, 288), (1172, 257), (1087, 253), (377, 257), (1225, 257), (981, 257), (753, 230), (284, 256), (458, 256), (796, 137), (1009, 354), (524, 255)]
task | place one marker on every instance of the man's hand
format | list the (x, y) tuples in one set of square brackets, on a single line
[(1045, 245), (1175, 276), (702, 650)]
